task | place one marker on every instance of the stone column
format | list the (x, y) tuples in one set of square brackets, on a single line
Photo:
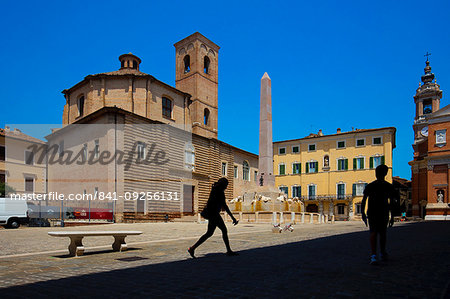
[(274, 218), (350, 209)]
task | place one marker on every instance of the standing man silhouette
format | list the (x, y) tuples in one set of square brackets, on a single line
[(380, 198), (216, 203)]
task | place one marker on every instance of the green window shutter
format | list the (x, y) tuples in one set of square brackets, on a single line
[(382, 160), (346, 164), (307, 167), (371, 162), (293, 168), (354, 163), (354, 189), (300, 168), (317, 166)]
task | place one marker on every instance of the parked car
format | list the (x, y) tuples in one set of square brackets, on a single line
[(13, 212)]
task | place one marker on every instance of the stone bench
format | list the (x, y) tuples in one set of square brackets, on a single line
[(76, 247)]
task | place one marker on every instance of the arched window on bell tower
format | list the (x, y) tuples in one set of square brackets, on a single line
[(206, 117), (206, 63), (427, 106), (187, 64)]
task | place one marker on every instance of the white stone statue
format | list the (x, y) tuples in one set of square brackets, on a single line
[(237, 199), (282, 198), (440, 196)]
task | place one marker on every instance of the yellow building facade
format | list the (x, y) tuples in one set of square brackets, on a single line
[(328, 173)]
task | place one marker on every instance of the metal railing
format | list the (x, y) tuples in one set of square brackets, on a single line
[(327, 197)]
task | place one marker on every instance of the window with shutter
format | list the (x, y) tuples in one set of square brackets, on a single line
[(312, 192), (281, 169), (296, 191), (246, 171), (341, 191), (377, 161), (167, 107), (342, 164), (359, 163), (284, 189), (296, 168), (358, 189), (29, 184)]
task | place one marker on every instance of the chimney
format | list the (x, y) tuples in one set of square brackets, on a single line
[(16, 130), (320, 132), (338, 131), (7, 129)]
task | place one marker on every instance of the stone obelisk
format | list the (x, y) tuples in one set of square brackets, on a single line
[(266, 179)]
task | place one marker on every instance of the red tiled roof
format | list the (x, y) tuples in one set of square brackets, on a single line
[(121, 72), (17, 134)]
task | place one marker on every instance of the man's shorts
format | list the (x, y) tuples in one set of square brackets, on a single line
[(378, 225)]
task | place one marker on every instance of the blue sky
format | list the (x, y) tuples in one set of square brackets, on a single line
[(332, 63)]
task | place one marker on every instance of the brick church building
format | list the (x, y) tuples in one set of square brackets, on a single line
[(431, 165), (128, 110)]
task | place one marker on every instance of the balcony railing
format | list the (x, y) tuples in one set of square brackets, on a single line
[(327, 197)]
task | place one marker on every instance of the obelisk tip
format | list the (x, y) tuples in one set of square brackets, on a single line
[(266, 76)]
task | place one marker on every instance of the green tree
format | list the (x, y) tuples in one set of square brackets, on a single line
[(5, 189)]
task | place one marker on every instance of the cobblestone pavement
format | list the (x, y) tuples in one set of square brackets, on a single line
[(314, 261)]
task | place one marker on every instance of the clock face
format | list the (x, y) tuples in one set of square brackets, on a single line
[(441, 137), (424, 131)]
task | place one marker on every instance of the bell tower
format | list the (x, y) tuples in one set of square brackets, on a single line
[(427, 99), (197, 74)]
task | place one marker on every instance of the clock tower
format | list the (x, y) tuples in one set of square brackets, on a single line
[(427, 100), (430, 168)]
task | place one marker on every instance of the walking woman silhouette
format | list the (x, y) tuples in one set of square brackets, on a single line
[(216, 203)]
